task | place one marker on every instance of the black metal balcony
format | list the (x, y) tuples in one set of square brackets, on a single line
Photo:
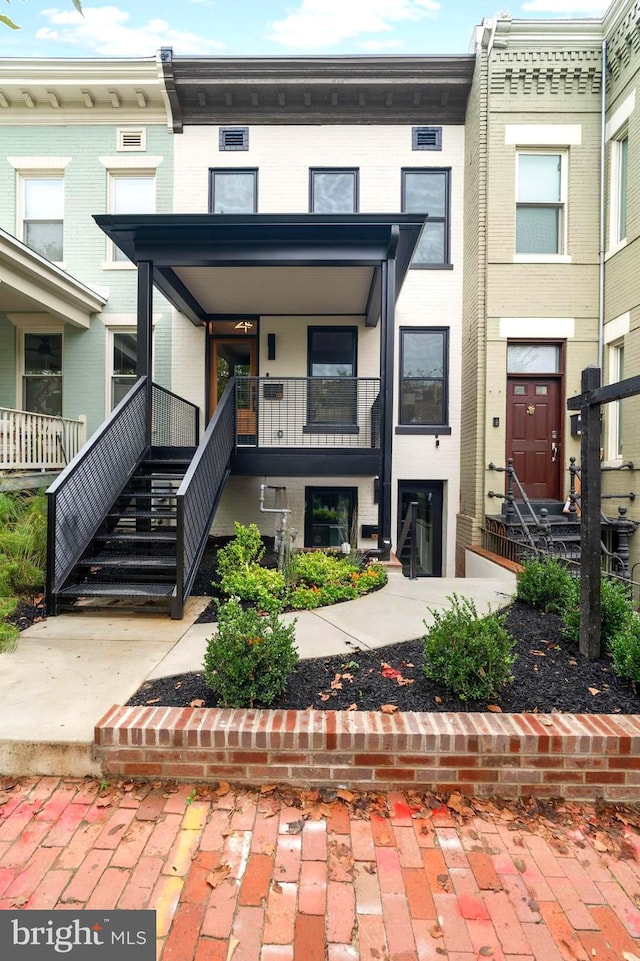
[(307, 425)]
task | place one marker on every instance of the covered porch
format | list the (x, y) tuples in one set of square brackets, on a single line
[(332, 275)]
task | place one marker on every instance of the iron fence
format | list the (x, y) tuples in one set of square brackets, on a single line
[(176, 421), (308, 412), (81, 496), (199, 494)]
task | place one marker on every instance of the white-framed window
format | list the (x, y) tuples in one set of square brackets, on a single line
[(42, 372), (618, 189), (616, 408), (41, 213), (123, 349), (130, 192), (541, 203)]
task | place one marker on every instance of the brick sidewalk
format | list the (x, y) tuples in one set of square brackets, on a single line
[(290, 877)]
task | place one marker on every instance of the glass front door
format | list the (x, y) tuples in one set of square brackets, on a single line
[(428, 495)]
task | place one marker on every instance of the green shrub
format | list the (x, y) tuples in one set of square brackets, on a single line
[(625, 647), (23, 543), (317, 568), (261, 586), (9, 633), (250, 658), (245, 549), (545, 584), (470, 655), (616, 611)]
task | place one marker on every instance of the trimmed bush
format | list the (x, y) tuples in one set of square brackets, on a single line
[(469, 655), (260, 586), (547, 585), (248, 661), (616, 611), (625, 647), (245, 549)]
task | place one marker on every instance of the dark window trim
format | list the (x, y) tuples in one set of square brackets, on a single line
[(446, 220), (225, 131), (425, 428), (415, 137), (232, 170), (319, 427), (355, 171), (310, 489)]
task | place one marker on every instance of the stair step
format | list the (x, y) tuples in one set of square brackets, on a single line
[(128, 560), (118, 590), (162, 513), (163, 535)]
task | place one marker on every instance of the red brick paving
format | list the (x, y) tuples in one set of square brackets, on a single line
[(264, 878)]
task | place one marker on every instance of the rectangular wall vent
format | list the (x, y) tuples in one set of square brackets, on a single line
[(130, 139), (426, 138), (234, 138)]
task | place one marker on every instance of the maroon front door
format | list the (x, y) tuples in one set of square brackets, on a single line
[(533, 434)]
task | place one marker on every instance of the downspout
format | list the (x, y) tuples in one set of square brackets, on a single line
[(603, 124)]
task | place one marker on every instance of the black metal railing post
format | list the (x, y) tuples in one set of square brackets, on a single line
[(624, 528), (573, 495)]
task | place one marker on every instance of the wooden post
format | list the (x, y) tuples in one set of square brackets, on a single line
[(590, 617)]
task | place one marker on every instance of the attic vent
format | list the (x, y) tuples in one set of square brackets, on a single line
[(130, 139), (234, 138), (426, 138)]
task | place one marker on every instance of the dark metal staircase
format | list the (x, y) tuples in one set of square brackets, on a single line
[(133, 554)]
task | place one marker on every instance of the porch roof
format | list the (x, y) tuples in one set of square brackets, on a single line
[(30, 283), (208, 265)]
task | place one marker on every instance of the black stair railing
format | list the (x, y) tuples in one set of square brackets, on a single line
[(176, 421), (513, 509), (410, 531), (199, 494), (80, 497)]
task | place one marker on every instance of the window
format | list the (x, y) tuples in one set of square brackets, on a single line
[(130, 193), (541, 200), (233, 191), (333, 191), (43, 213), (42, 378), (615, 411), (427, 191), (233, 138), (124, 356), (332, 354), (329, 514), (423, 376), (533, 358), (619, 153)]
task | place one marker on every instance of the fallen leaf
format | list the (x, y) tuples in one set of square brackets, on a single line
[(345, 795), (4, 798), (403, 681), (435, 931), (352, 707), (277, 887), (546, 721), (295, 827), (153, 700), (390, 672), (177, 686), (223, 788), (20, 901), (594, 691), (538, 653), (267, 788), (218, 875), (324, 697), (486, 951), (197, 703), (520, 865), (233, 944), (438, 700), (389, 708), (495, 708), (600, 845), (573, 663), (104, 802)]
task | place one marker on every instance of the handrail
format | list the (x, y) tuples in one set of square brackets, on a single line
[(199, 493), (410, 525), (175, 425), (33, 441), (82, 494)]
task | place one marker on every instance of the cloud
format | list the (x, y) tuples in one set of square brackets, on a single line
[(376, 46), (106, 30), (595, 8), (326, 23)]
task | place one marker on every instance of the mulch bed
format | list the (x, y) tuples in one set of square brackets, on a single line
[(549, 675)]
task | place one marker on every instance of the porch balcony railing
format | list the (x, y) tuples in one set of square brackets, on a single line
[(40, 442), (295, 412)]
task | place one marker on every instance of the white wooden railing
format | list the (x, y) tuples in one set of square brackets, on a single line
[(38, 442)]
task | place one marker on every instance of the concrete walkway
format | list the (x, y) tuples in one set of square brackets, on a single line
[(69, 670), (260, 876)]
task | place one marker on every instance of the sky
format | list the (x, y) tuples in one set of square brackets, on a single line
[(138, 28)]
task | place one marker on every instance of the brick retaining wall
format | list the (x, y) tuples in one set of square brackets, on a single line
[(584, 756)]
